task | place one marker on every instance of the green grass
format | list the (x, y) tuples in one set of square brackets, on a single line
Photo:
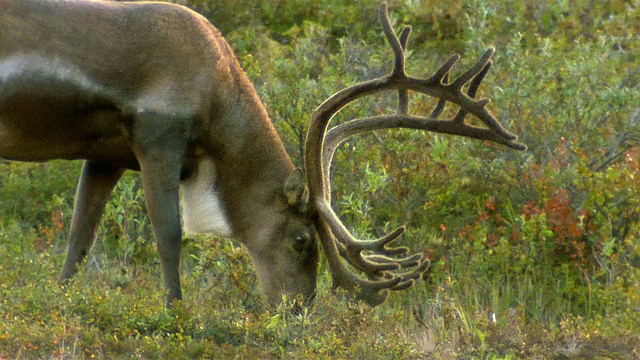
[(534, 254)]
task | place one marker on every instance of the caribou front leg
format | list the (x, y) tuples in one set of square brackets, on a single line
[(96, 182), (160, 166)]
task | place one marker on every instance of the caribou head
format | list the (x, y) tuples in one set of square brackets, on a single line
[(154, 87)]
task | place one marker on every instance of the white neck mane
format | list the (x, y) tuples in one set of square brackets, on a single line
[(202, 210)]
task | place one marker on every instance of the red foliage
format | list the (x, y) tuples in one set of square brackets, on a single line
[(490, 219), (569, 242), (566, 224), (49, 232)]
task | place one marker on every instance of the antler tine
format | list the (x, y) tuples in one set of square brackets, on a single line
[(441, 103), (442, 74), (403, 94), (471, 91), (397, 45), (474, 70), (477, 80)]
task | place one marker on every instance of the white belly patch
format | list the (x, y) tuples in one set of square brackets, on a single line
[(202, 210)]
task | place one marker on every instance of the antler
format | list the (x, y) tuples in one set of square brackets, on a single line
[(380, 260)]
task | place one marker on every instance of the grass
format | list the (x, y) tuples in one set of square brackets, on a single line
[(534, 254)]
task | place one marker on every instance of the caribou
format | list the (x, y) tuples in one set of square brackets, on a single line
[(154, 87)]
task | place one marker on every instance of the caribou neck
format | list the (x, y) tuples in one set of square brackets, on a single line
[(251, 162)]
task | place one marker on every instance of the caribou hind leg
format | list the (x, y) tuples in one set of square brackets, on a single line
[(96, 183)]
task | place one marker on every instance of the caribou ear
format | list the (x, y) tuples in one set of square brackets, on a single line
[(295, 190)]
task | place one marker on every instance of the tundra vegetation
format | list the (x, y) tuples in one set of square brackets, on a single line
[(533, 254)]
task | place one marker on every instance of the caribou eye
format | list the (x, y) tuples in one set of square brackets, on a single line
[(300, 241)]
